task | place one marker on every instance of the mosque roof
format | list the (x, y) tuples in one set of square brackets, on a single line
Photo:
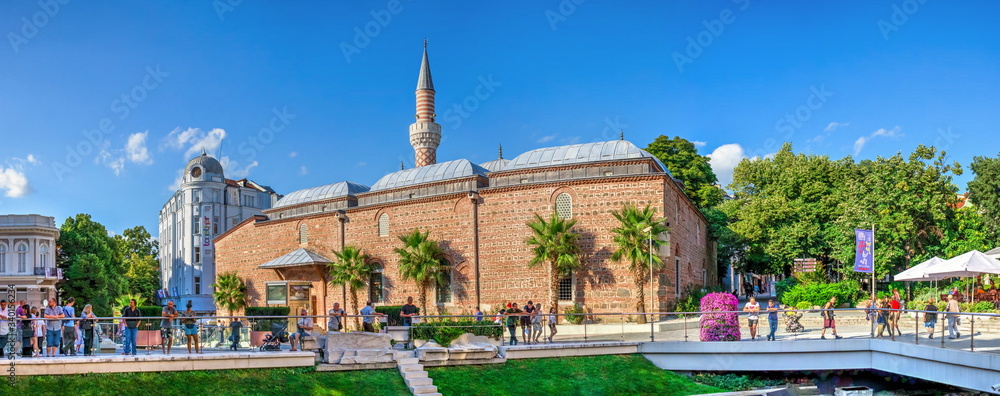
[(579, 154), (430, 173), (296, 258), (495, 165), (328, 191)]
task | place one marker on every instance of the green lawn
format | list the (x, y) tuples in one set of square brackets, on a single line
[(283, 381), (588, 375)]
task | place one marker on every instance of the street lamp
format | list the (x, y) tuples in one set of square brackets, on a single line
[(649, 232)]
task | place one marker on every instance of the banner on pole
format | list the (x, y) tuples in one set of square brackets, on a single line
[(864, 260)]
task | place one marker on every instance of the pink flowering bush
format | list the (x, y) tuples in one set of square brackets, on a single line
[(720, 326)]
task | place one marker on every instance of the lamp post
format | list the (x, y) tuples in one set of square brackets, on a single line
[(649, 232)]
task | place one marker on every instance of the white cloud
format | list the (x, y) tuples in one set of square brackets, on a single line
[(234, 170), (293, 154), (136, 149), (724, 160), (572, 140), (32, 160), (862, 141), (13, 180), (698, 143), (195, 140), (176, 185), (303, 170), (545, 138), (360, 164), (834, 125)]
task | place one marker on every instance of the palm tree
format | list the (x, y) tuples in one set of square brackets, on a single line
[(351, 268), (230, 292), (554, 243), (123, 300), (633, 237), (421, 260)]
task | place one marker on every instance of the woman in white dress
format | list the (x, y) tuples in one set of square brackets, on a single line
[(39, 325)]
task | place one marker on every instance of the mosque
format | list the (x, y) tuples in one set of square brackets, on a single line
[(478, 213)]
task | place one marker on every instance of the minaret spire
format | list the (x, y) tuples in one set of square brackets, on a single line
[(500, 151), (425, 134)]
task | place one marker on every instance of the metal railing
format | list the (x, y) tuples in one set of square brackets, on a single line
[(216, 332)]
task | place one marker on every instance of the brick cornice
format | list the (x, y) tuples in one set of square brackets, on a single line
[(299, 205), (540, 169), (254, 219), (570, 182)]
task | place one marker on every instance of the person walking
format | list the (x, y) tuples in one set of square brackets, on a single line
[(526, 322), (536, 323), (26, 328), (407, 311), (337, 317), (478, 315), (4, 326), (69, 327), (953, 310), (552, 323), (39, 331), (828, 319), (190, 323), (87, 322), (53, 327), (754, 309), (930, 318), (881, 317), (896, 305), (169, 313), (772, 318), (131, 327), (236, 327), (513, 317)]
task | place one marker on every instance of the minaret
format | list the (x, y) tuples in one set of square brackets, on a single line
[(425, 134)]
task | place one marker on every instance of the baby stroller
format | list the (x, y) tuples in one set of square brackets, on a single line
[(792, 324), (273, 340)]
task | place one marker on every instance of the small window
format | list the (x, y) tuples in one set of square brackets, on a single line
[(215, 225), (564, 206), (197, 285), (383, 225), (303, 233), (195, 229), (3, 258), (277, 294), (197, 254), (375, 285), (677, 276), (43, 257), (444, 289), (22, 257), (524, 181), (566, 288)]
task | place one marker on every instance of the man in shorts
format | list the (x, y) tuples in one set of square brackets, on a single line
[(526, 322), (169, 313), (828, 319), (930, 318), (754, 309)]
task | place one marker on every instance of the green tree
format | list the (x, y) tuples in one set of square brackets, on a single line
[(86, 255), (555, 243), (137, 251), (684, 163), (637, 230), (351, 268), (230, 292), (421, 260), (984, 194)]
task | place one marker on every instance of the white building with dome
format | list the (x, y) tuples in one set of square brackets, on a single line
[(207, 205)]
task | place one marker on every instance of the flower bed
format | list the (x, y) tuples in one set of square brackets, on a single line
[(719, 326)]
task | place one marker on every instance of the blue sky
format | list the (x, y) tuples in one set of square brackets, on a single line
[(102, 104)]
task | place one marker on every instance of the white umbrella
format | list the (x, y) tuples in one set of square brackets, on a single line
[(919, 272), (995, 253), (970, 264)]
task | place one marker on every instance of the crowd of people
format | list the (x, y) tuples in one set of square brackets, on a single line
[(530, 318), (50, 330)]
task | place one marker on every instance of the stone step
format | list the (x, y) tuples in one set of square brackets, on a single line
[(410, 367), (411, 360), (419, 382), (413, 374), (423, 390)]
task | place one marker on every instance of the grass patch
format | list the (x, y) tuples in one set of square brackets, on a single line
[(588, 375), (278, 381)]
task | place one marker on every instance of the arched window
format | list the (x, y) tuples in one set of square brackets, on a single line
[(375, 284), (22, 257), (383, 225), (564, 206), (444, 288), (43, 257), (3, 257), (303, 233)]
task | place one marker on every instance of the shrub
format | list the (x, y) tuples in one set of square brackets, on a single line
[(804, 305), (721, 326), (265, 324), (151, 310), (446, 331), (734, 382), (392, 313), (783, 286), (575, 309), (982, 306), (690, 300), (819, 293)]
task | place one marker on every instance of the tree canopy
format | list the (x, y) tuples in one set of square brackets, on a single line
[(684, 163), (984, 194), (87, 256)]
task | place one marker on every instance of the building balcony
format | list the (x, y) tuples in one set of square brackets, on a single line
[(44, 273)]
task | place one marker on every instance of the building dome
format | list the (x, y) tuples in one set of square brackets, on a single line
[(207, 163)]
